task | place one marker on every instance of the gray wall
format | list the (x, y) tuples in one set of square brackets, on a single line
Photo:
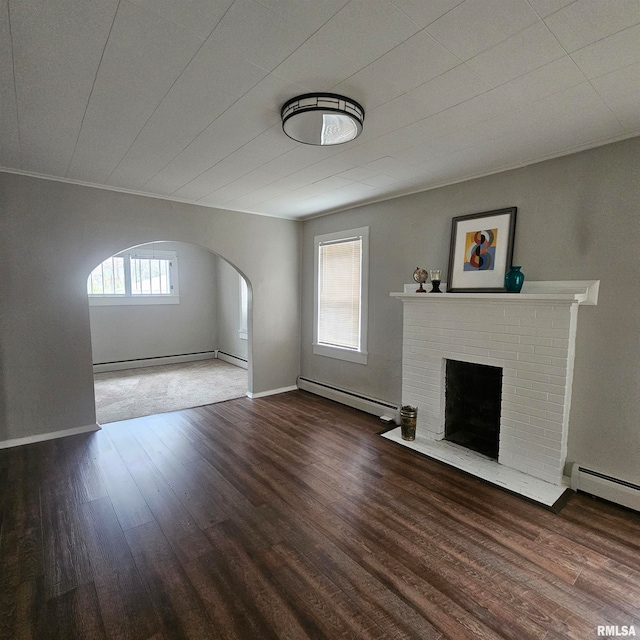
[(578, 219), (53, 234), (228, 311), (131, 332)]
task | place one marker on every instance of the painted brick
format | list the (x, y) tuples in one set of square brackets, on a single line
[(530, 342), (505, 337), (551, 312), (554, 436), (525, 431), (548, 388), (555, 399), (505, 355), (553, 416), (526, 331), (554, 352), (533, 377), (529, 393), (508, 389), (549, 425), (537, 340), (527, 411), (514, 415), (520, 312), (522, 348), (552, 333), (552, 371), (535, 359), (546, 323)]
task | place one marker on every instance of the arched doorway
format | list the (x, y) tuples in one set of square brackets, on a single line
[(170, 329)]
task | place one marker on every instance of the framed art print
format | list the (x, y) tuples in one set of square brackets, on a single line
[(481, 251)]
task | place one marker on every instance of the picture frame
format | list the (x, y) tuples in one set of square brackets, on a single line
[(481, 251)]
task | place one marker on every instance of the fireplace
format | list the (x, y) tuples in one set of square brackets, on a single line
[(526, 343), (472, 406)]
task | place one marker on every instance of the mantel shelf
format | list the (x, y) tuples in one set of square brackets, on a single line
[(582, 292)]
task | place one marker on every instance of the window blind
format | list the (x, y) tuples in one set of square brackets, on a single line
[(339, 287)]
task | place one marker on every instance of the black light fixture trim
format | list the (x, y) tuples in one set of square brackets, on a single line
[(322, 103)]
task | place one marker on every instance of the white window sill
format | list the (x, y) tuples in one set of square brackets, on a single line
[(340, 354), (243, 335), (108, 301)]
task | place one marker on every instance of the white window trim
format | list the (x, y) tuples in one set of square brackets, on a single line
[(107, 300), (360, 355), (97, 300)]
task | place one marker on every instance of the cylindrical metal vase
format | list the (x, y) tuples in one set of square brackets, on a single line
[(408, 420)]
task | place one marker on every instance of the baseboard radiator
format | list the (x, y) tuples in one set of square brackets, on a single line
[(231, 359), (350, 398), (121, 365), (598, 484)]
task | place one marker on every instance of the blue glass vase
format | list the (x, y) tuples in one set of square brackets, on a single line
[(513, 280)]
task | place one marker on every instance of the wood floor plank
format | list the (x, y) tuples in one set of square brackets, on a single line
[(125, 605), (201, 505), (244, 597), (75, 614), (494, 556), (66, 562), (127, 501), (318, 597), (30, 621), (289, 517), (392, 613), (175, 600), (176, 522), (81, 453), (21, 551)]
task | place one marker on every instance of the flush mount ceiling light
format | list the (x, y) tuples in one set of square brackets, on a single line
[(322, 119)]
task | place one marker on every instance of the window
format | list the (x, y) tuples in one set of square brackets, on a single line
[(341, 295), (243, 330), (140, 276)]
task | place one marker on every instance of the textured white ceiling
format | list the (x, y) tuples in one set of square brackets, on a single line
[(181, 98)]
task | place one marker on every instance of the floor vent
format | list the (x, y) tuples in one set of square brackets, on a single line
[(598, 484)]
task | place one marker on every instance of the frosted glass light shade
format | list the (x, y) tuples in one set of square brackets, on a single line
[(322, 119)]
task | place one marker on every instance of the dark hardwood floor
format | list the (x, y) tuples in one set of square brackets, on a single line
[(288, 517)]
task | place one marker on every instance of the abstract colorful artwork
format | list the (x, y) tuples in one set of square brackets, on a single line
[(480, 250)]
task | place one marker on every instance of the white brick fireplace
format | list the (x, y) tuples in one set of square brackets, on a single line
[(530, 335)]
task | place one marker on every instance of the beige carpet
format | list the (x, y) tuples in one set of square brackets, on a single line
[(121, 395)]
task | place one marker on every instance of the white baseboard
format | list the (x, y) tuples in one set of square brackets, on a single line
[(373, 406), (272, 392), (152, 362), (607, 487), (238, 362), (52, 435)]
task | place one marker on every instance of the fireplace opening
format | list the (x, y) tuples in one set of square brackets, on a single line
[(472, 406)]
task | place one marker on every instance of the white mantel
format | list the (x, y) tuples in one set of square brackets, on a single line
[(561, 291), (530, 335)]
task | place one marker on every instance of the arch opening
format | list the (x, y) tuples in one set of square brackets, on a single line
[(171, 328)]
